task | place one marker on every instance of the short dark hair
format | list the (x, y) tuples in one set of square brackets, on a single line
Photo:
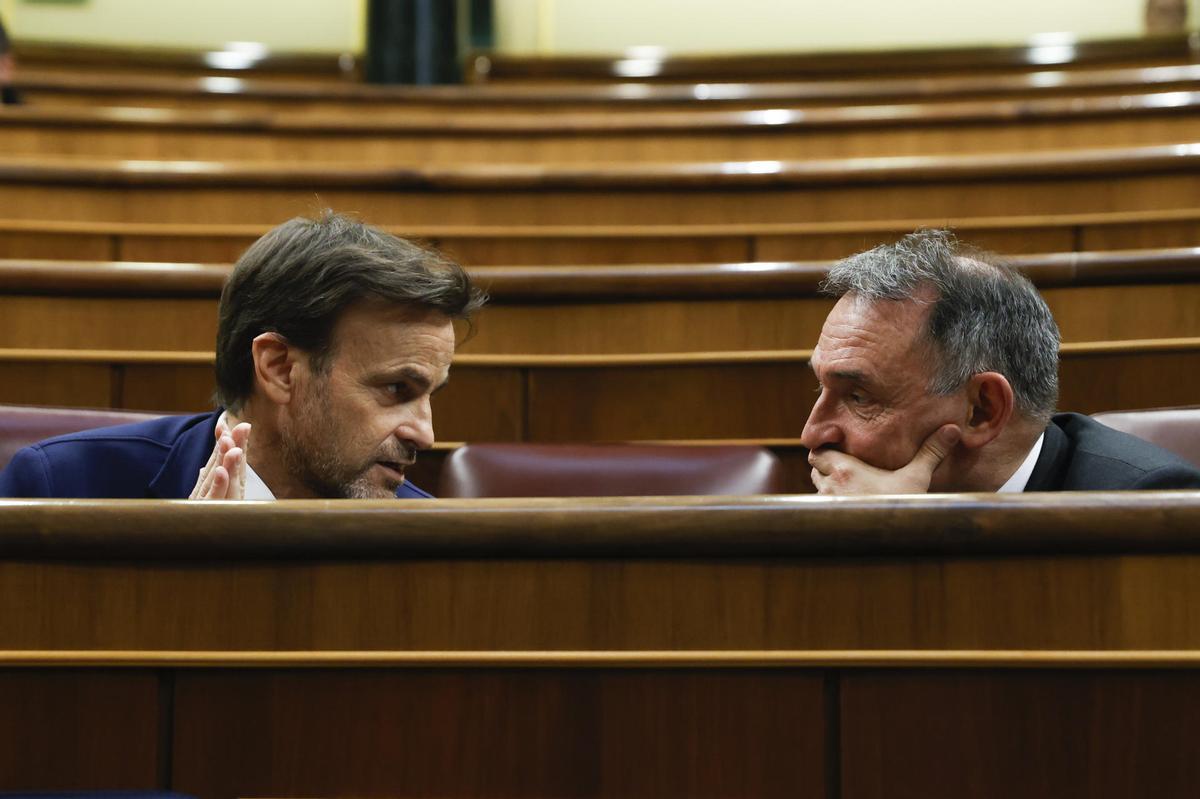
[(987, 317), (298, 279)]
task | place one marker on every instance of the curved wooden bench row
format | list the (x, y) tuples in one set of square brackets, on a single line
[(278, 647), (522, 285), (43, 87), (251, 59), (670, 396), (928, 128), (1063, 52), (1073, 181), (620, 244), (591, 310)]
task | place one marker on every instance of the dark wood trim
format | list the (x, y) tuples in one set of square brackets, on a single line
[(973, 524)]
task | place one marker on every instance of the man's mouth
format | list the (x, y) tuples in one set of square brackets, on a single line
[(394, 469)]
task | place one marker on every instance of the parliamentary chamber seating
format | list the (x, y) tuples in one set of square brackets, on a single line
[(687, 646)]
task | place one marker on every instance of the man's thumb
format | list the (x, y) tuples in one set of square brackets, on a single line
[(937, 447)]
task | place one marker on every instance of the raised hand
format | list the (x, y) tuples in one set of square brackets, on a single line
[(838, 473)]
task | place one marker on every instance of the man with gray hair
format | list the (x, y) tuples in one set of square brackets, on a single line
[(938, 371)]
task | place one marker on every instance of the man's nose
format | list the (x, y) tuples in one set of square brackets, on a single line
[(821, 428), (417, 426)]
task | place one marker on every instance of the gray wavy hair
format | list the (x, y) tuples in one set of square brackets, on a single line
[(987, 317)]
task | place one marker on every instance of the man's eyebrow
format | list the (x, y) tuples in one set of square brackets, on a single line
[(412, 374), (849, 375)]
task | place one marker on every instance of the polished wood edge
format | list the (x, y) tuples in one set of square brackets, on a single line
[(1051, 525), (247, 60), (508, 284), (1048, 81), (656, 659), (692, 122), (700, 176), (519, 361), (897, 227)]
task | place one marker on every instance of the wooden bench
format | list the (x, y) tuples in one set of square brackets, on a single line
[(633, 136), (977, 645), (101, 88), (552, 398), (1109, 180), (1104, 296), (620, 244)]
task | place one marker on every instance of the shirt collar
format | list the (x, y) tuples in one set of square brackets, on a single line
[(255, 487), (1015, 484)]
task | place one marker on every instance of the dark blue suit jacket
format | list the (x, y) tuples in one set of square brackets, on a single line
[(159, 458)]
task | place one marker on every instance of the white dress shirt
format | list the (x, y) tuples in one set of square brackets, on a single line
[(255, 487), (1015, 485)]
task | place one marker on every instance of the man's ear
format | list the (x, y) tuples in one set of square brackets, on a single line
[(274, 367), (990, 406)]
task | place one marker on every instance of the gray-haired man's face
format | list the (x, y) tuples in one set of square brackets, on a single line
[(874, 372)]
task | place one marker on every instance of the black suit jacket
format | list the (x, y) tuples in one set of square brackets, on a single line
[(1080, 454)]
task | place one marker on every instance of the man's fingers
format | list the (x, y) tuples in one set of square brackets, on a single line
[(935, 449), (234, 464), (220, 484)]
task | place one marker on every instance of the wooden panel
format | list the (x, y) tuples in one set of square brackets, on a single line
[(217, 249), (89, 247), (499, 733), (739, 396), (481, 405), (831, 246), (68, 384), (549, 249), (120, 323), (78, 730), (672, 402), (1095, 383), (675, 195), (1118, 313), (419, 602), (1147, 233), (1036, 734), (647, 327), (171, 388), (584, 140)]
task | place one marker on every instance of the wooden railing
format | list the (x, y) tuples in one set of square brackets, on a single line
[(977, 645)]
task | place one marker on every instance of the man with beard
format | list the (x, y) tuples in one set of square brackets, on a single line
[(332, 337)]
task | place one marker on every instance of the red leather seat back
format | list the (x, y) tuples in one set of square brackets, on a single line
[(22, 425), (608, 470), (1173, 429)]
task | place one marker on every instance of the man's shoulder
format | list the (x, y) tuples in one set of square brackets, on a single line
[(119, 461), (1103, 458)]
